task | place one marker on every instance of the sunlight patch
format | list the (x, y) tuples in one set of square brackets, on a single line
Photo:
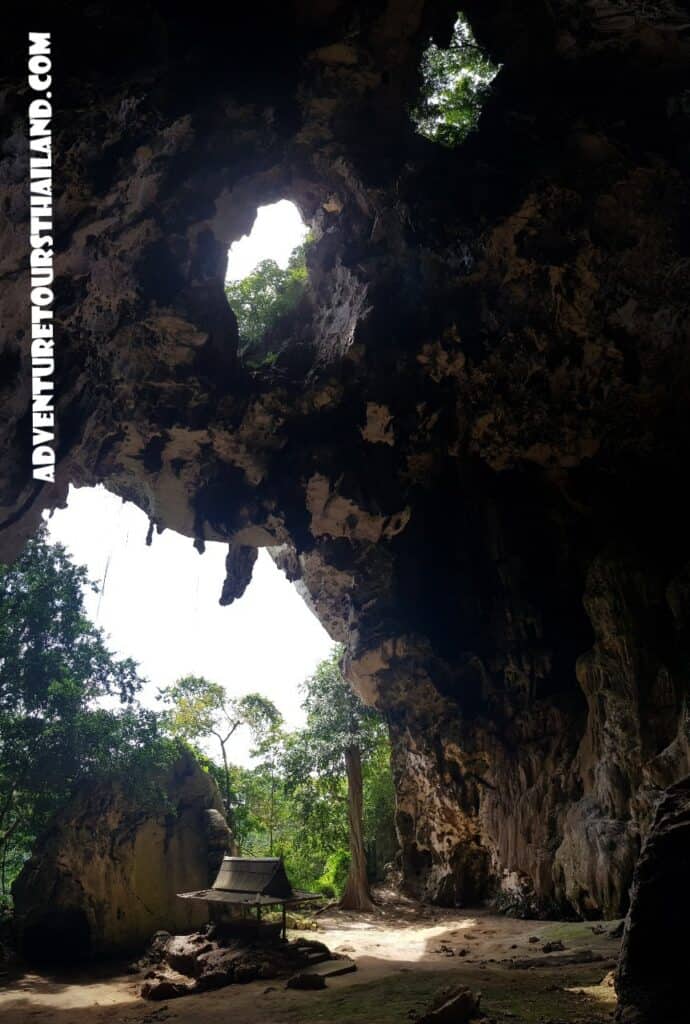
[(276, 232)]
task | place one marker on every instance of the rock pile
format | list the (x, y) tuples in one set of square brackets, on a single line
[(204, 960)]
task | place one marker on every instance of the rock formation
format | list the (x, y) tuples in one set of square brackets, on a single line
[(469, 453), (182, 964), (654, 951), (104, 876)]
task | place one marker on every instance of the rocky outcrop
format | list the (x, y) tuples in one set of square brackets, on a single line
[(653, 960), (104, 876), (184, 964), (444, 856), (468, 452)]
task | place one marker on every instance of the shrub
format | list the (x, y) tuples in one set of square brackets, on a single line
[(334, 877)]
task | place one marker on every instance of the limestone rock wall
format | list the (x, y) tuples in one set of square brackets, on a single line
[(653, 954), (112, 862), (469, 453)]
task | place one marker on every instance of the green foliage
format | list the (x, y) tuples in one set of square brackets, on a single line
[(332, 881), (263, 297), (293, 803), (54, 670), (379, 807), (196, 708), (336, 719), (456, 82), (270, 820), (56, 731)]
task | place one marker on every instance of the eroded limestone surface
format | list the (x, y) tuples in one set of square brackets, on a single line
[(654, 950)]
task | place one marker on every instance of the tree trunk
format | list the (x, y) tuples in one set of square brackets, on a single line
[(356, 895), (227, 801), (5, 846), (3, 870)]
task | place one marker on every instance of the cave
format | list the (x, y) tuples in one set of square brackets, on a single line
[(57, 938), (472, 462)]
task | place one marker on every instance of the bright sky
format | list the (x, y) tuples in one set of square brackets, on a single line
[(159, 604), (277, 230)]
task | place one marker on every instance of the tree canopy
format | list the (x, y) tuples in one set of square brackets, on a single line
[(197, 708), (336, 720), (261, 298), (456, 82)]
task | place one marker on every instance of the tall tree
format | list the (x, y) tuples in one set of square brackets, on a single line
[(269, 742), (340, 733), (197, 708)]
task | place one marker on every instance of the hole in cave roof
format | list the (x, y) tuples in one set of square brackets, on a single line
[(266, 278), (455, 85)]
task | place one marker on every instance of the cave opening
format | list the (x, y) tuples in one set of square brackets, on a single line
[(484, 492), (59, 937), (160, 603), (266, 280), (456, 81), (147, 694)]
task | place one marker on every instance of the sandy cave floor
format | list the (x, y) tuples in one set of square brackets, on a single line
[(403, 958)]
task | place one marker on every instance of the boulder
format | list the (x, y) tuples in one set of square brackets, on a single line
[(217, 960), (166, 986), (105, 875), (153, 954), (453, 1006), (183, 953)]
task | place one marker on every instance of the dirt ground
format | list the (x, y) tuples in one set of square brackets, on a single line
[(405, 953)]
